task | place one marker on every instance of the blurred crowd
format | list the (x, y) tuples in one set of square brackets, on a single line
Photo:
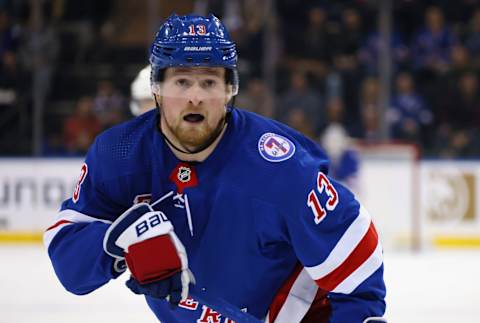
[(323, 55), (331, 56)]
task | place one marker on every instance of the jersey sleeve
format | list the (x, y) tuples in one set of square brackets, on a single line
[(334, 238), (75, 241)]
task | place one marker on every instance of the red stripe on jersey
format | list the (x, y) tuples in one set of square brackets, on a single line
[(359, 255), (282, 294), (320, 310), (58, 224)]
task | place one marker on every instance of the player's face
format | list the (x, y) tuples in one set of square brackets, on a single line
[(193, 104)]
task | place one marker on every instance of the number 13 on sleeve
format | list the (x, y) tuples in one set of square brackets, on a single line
[(324, 186)]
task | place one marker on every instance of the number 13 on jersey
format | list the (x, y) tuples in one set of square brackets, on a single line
[(324, 186)]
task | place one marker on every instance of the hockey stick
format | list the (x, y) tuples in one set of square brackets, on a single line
[(224, 308), (219, 305)]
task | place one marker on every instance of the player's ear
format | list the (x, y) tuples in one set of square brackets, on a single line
[(156, 89), (229, 93), (158, 100)]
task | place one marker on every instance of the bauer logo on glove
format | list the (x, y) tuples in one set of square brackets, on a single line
[(152, 221)]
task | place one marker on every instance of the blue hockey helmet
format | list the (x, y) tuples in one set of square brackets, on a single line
[(193, 41)]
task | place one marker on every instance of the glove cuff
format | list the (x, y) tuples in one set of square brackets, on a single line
[(153, 259)]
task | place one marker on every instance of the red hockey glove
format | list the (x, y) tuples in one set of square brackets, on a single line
[(153, 252)]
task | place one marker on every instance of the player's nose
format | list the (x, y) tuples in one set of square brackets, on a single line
[(196, 95)]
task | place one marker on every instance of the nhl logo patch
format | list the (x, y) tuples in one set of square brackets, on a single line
[(275, 148), (184, 174)]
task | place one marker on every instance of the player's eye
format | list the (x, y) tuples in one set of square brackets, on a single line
[(183, 82), (209, 83)]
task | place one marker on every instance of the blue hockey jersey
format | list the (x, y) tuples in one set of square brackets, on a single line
[(265, 229)]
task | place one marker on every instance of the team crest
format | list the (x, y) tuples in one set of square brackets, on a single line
[(275, 148)]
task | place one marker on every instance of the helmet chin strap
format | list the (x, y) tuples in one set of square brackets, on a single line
[(202, 147)]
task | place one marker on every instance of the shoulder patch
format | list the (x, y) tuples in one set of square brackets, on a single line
[(275, 148)]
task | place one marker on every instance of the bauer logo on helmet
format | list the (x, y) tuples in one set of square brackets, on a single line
[(197, 48)]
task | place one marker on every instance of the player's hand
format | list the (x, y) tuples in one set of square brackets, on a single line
[(170, 289), (155, 256)]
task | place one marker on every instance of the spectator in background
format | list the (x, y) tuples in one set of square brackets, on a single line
[(257, 98), (10, 109), (335, 111), (348, 37), (344, 160), (40, 50), (370, 123), (369, 53), (408, 114), (317, 37), (314, 53), (459, 120), (463, 109), (456, 144), (245, 20), (301, 96), (251, 35), (369, 127), (141, 99), (8, 35), (109, 105), (292, 27), (433, 43), (299, 120), (81, 128), (461, 62), (82, 22), (348, 40), (307, 38), (472, 39), (9, 79)]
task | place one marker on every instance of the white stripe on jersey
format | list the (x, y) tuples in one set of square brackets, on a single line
[(363, 272), (50, 234), (344, 247), (299, 299), (70, 216)]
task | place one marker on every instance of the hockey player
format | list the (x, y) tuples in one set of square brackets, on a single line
[(213, 209), (344, 159), (141, 95)]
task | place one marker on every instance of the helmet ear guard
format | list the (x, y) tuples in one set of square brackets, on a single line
[(193, 41), (232, 79)]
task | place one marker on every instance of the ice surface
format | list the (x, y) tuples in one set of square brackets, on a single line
[(434, 286)]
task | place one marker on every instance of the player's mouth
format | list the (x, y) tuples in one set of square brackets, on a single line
[(193, 118)]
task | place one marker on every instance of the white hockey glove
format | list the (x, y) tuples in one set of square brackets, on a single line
[(155, 256)]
